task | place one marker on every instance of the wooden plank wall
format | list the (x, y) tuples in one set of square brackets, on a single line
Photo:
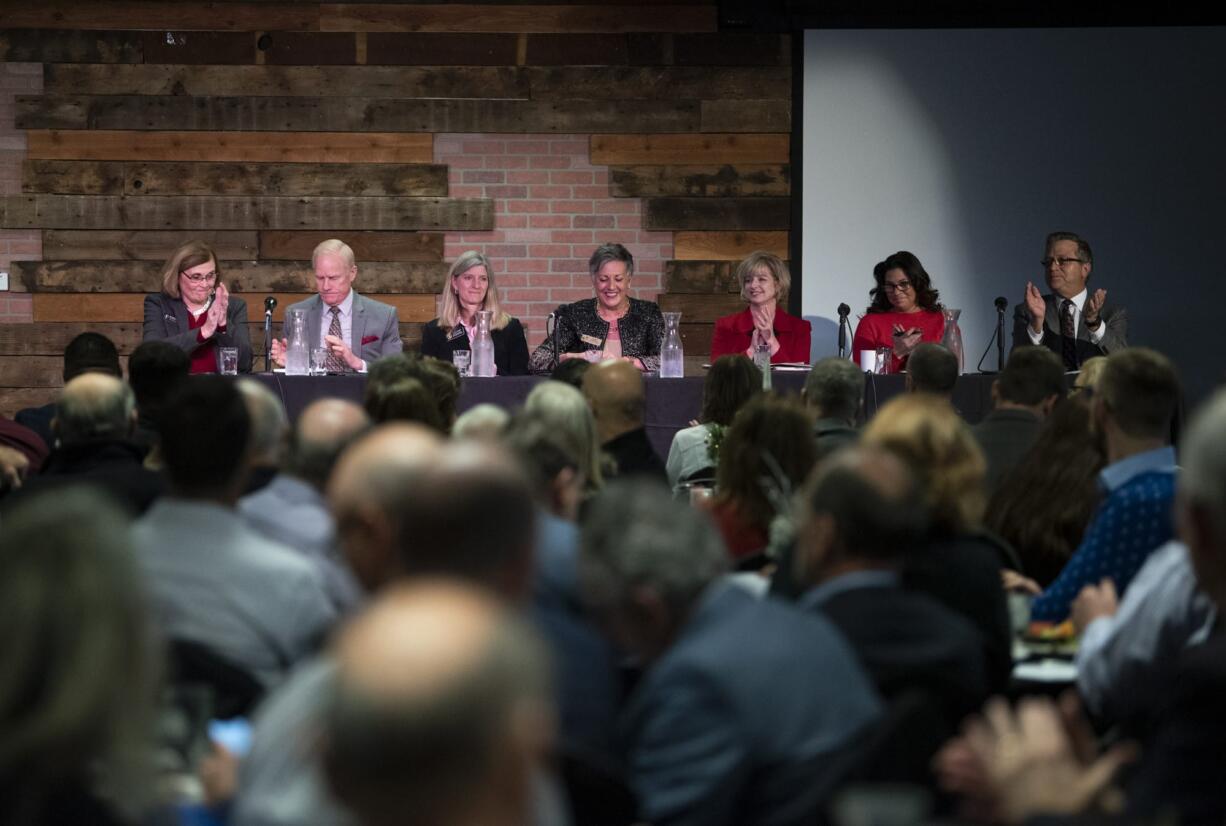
[(264, 127)]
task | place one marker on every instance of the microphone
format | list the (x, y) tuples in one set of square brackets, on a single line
[(844, 311), (270, 304), (1001, 303)]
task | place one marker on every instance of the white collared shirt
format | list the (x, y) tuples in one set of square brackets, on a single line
[(1079, 301), (346, 314)]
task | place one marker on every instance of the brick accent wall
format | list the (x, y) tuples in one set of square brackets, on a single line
[(16, 245), (552, 208)]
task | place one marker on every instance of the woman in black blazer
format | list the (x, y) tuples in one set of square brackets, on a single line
[(195, 312), (470, 287)]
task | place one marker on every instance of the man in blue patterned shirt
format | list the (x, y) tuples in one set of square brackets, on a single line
[(1134, 404)]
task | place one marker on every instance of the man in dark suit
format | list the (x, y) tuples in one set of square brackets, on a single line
[(1026, 391), (614, 391), (860, 516), (747, 703), (87, 353), (1069, 321), (354, 329)]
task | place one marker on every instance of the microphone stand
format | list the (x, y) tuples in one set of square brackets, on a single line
[(269, 304), (844, 310), (552, 332), (1000, 339)]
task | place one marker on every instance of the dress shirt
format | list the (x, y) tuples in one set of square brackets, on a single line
[(346, 314), (1079, 301), (1124, 660), (1133, 520)]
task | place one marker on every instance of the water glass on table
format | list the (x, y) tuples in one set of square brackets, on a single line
[(227, 359), (319, 361), (462, 359)]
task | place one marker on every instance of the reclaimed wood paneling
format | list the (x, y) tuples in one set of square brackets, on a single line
[(577, 50), (605, 18), (50, 338), (689, 149), (198, 47), (696, 340), (732, 49), (717, 213), (130, 306), (700, 181), (702, 309), (288, 81), (146, 245), (234, 212), (746, 115), (240, 276), (19, 398), (309, 48), (256, 147), (186, 178), (727, 246), (440, 49), (159, 15), (367, 246), (68, 46), (37, 371), (277, 114), (700, 277), (657, 82)]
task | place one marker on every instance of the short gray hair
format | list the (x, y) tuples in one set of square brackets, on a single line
[(269, 424), (836, 387), (637, 535), (1202, 452), (562, 408), (82, 416), (610, 252)]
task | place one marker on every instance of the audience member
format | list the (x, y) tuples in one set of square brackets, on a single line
[(78, 684), (745, 702), (155, 371), (1022, 397), (834, 391), (24, 442), (411, 388), (1043, 506), (269, 433), (765, 457), (562, 409), (960, 565), (1091, 372), (1132, 409), (571, 372), (481, 421), (731, 381), (439, 712), (88, 352), (213, 580), (860, 519), (93, 426), (291, 509), (932, 369), (13, 468), (615, 392)]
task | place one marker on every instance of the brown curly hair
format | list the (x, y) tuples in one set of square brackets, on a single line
[(925, 296)]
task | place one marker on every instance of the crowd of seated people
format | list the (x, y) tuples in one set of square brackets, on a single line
[(510, 617)]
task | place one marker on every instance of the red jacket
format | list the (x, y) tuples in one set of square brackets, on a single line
[(733, 334)]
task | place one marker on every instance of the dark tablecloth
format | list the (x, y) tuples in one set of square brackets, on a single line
[(671, 403)]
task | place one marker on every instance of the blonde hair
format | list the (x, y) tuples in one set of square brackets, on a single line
[(191, 254), (1091, 372), (449, 307), (335, 246), (927, 433), (773, 264), (564, 411)]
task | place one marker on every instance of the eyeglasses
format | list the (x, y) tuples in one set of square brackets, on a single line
[(197, 278), (900, 287), (1063, 262)]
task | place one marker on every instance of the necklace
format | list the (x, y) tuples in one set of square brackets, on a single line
[(609, 315)]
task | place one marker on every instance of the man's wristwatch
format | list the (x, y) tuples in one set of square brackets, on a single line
[(1095, 324)]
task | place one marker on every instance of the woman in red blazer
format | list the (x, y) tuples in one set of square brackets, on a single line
[(764, 281)]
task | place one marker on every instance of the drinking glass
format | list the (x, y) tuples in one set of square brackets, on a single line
[(319, 361), (462, 359), (228, 359)]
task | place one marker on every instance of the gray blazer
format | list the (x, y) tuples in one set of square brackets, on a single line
[(166, 320), (1115, 336), (376, 327)]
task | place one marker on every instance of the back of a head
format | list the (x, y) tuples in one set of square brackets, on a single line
[(932, 369), (1202, 485), (927, 433), (571, 372), (730, 383), (91, 353), (765, 455), (77, 682), (540, 452), (403, 400), (155, 370), (633, 537), (562, 409), (440, 380), (439, 711), (615, 392), (323, 431), (1091, 371), (1031, 376), (1141, 390), (481, 421), (94, 406), (871, 497), (835, 387), (205, 434), (269, 423)]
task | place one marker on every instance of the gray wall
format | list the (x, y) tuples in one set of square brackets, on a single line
[(968, 146)]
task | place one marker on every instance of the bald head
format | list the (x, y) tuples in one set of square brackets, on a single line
[(614, 390), (269, 424), (94, 406), (325, 428), (439, 710)]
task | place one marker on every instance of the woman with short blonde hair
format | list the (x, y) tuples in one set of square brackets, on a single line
[(471, 288), (764, 281)]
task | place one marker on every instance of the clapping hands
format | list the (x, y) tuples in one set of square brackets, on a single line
[(216, 316)]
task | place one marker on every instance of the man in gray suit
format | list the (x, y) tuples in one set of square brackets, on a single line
[(1070, 321), (354, 329)]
